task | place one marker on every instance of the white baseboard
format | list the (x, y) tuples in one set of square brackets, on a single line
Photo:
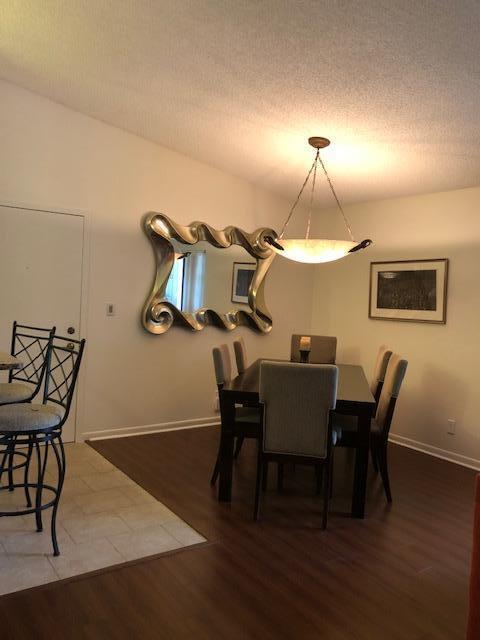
[(457, 458), (123, 432)]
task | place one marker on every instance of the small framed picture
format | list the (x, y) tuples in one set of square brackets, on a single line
[(241, 280), (411, 290)]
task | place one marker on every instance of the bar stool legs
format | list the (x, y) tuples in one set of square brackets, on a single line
[(46, 495)]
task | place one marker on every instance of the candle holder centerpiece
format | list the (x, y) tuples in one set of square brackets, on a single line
[(305, 347)]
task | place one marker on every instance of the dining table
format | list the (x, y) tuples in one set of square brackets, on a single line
[(353, 398), (8, 362)]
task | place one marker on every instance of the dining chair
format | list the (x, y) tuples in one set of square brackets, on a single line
[(32, 425), (323, 349), (30, 345), (247, 419), (380, 426), (297, 402), (240, 354), (379, 371)]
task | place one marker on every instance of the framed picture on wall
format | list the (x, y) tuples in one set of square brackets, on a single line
[(410, 290), (241, 280)]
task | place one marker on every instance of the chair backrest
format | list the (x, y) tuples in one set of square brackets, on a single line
[(323, 349), (240, 354), (30, 345), (222, 364), (379, 371), (297, 401), (65, 356), (391, 388)]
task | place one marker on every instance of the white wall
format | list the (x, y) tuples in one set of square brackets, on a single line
[(55, 157), (442, 379)]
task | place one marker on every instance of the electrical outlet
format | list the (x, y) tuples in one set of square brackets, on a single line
[(452, 423), (216, 402)]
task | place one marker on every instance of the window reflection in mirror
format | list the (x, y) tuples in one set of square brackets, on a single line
[(204, 276)]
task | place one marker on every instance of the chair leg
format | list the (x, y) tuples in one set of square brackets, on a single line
[(42, 465), (238, 446), (280, 474), (326, 493), (264, 476), (60, 457), (260, 471), (330, 472), (373, 451), (383, 465), (11, 462), (319, 478), (26, 471), (216, 470)]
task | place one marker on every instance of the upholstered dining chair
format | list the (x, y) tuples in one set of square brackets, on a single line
[(31, 346), (323, 349), (297, 401), (32, 425), (381, 424), (473, 631), (379, 371), (240, 354), (247, 419)]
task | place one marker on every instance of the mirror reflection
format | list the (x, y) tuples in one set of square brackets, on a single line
[(207, 277)]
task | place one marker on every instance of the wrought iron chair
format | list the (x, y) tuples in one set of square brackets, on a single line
[(298, 400), (30, 345), (31, 425)]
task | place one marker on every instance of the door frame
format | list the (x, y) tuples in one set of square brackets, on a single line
[(84, 280)]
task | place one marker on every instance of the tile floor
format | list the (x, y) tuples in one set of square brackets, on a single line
[(104, 518)]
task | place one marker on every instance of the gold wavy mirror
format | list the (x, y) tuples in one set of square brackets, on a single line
[(207, 276)]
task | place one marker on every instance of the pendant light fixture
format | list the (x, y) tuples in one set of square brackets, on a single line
[(316, 250)]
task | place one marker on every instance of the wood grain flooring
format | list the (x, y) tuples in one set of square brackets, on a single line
[(400, 574)]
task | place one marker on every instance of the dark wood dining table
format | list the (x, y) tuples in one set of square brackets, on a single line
[(353, 398)]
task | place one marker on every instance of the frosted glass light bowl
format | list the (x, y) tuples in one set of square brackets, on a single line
[(314, 250)]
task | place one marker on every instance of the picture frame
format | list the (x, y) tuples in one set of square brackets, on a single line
[(409, 290), (242, 277)]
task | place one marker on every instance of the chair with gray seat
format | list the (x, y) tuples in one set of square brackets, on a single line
[(32, 425), (30, 345), (323, 349), (380, 426), (297, 402), (240, 354), (247, 419), (379, 371)]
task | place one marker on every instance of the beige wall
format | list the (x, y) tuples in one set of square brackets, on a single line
[(442, 379), (55, 157)]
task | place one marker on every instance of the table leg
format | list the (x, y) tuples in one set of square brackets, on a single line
[(227, 411), (361, 465)]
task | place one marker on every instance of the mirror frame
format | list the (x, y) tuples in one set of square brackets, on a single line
[(159, 314)]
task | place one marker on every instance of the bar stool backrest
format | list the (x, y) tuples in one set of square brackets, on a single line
[(31, 346), (64, 360)]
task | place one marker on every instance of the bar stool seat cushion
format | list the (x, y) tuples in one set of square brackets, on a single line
[(14, 392), (29, 417)]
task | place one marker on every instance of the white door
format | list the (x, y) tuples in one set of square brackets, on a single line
[(41, 275)]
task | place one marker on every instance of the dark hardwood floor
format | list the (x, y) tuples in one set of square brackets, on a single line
[(400, 574)]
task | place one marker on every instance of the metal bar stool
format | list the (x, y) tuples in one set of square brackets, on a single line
[(30, 345), (32, 425)]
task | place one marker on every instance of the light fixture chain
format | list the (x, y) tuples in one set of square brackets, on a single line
[(315, 164), (297, 200), (349, 229)]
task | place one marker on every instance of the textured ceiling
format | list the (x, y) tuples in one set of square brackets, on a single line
[(241, 84)]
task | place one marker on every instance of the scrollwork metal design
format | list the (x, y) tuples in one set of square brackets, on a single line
[(159, 314)]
